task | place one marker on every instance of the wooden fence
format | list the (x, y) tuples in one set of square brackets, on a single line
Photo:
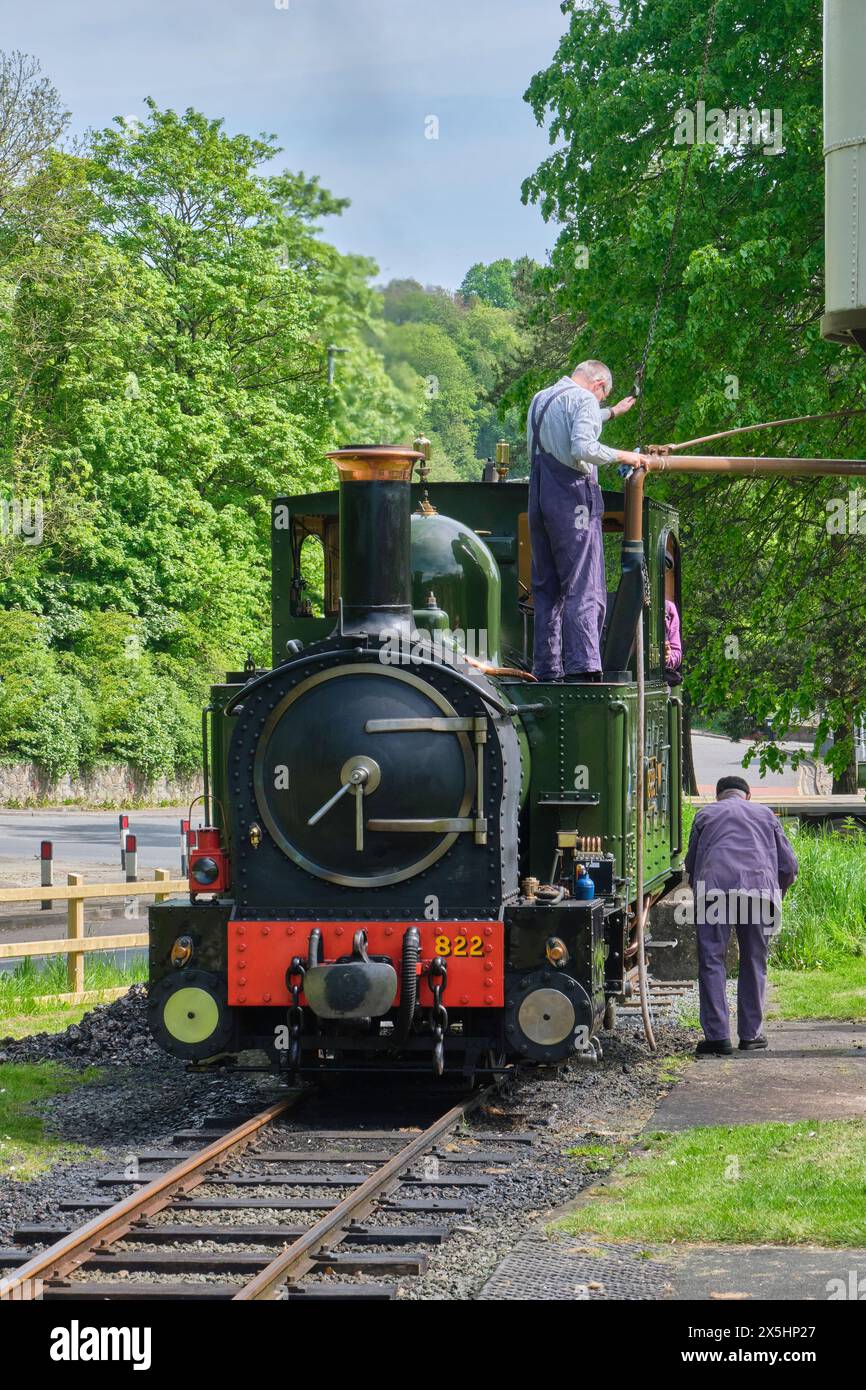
[(75, 945)]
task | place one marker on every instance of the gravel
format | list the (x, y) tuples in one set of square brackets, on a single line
[(110, 1035)]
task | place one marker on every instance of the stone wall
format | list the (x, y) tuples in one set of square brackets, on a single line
[(22, 784)]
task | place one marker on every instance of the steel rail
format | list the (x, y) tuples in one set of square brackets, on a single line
[(299, 1257), (67, 1254)]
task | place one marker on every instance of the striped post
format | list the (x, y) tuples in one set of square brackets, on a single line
[(46, 857), (131, 857), (184, 846), (123, 827)]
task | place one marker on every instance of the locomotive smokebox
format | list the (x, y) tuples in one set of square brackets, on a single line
[(375, 573)]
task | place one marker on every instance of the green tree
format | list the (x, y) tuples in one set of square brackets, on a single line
[(165, 313), (452, 351), (493, 284), (737, 339)]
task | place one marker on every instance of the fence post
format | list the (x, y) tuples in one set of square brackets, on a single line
[(160, 875), (75, 932)]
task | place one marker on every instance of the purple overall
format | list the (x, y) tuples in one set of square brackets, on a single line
[(740, 865), (568, 582)]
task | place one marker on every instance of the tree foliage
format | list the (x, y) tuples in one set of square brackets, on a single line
[(773, 620), (165, 314), (454, 350)]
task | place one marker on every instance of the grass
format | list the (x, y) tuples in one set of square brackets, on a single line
[(595, 1158), (25, 1148), (45, 1020), (824, 917), (839, 992), (20, 988), (786, 1184)]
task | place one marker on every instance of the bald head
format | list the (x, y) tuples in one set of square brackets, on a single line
[(592, 375)]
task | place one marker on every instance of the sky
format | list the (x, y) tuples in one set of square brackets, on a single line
[(349, 88)]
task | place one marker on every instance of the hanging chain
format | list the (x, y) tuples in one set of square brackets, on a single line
[(681, 198), (295, 981), (437, 978)]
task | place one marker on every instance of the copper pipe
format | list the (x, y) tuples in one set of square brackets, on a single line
[(766, 425), (717, 463), (640, 834), (633, 538), (498, 670), (755, 467), (633, 515)]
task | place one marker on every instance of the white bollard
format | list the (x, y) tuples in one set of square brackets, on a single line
[(131, 859), (46, 856)]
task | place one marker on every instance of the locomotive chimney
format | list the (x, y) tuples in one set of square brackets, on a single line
[(375, 573)]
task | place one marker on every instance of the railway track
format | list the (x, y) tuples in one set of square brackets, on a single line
[(349, 1213), (664, 996)]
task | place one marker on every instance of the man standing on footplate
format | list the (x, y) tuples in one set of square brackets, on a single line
[(565, 508)]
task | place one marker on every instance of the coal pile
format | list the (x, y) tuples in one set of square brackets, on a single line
[(111, 1034)]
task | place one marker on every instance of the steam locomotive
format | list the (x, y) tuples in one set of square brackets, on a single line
[(414, 855)]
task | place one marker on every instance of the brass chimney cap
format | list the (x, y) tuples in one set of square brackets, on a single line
[(371, 463)]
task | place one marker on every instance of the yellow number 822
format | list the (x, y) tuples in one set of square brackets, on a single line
[(460, 946)]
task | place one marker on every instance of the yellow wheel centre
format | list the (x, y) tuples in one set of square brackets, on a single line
[(191, 1015)]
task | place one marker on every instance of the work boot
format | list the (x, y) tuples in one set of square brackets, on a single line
[(721, 1047), (758, 1044)]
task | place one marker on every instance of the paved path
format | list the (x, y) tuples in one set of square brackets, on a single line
[(813, 1071), (567, 1268)]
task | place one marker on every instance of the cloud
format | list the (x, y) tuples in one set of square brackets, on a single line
[(345, 85)]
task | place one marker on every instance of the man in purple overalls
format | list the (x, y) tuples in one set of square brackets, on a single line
[(565, 508), (740, 866)]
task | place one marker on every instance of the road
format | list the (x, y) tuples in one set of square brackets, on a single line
[(721, 757), (86, 838), (86, 842)]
